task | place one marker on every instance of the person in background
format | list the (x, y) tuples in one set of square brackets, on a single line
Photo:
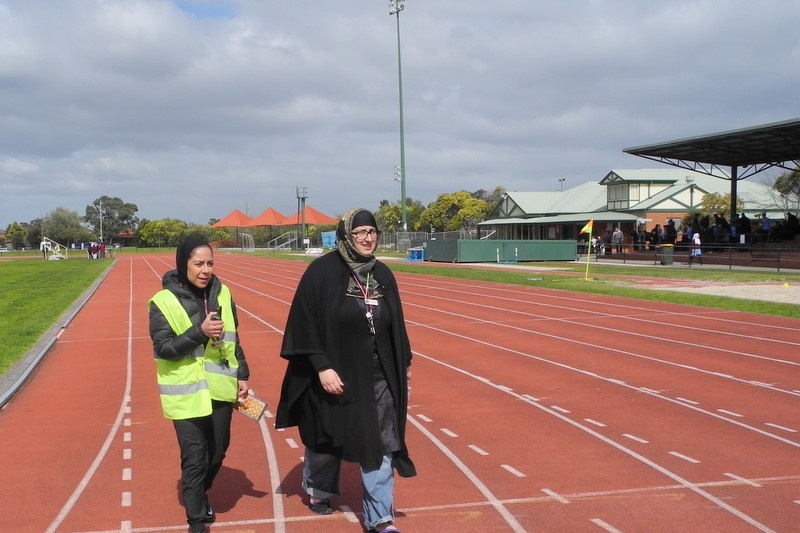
[(766, 226), (201, 367), (346, 383), (696, 250), (616, 239)]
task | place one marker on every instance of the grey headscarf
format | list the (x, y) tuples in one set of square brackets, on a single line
[(360, 265)]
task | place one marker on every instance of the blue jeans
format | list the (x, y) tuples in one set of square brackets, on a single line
[(321, 480)]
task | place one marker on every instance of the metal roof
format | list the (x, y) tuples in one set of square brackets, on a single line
[(605, 216), (758, 147)]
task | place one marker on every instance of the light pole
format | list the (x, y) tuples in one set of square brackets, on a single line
[(395, 7), (561, 181), (100, 210), (302, 194)]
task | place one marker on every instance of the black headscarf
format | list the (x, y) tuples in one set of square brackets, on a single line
[(360, 265), (182, 256)]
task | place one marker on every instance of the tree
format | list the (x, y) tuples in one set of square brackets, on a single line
[(719, 203), (33, 230), (113, 215), (787, 185), (160, 233), (64, 226), (491, 198), (452, 212), (389, 216), (16, 235)]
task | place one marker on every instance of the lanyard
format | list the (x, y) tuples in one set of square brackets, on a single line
[(368, 302), (364, 290)]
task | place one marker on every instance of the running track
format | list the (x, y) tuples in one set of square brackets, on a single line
[(531, 410)]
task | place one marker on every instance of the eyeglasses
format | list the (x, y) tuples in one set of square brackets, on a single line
[(362, 234)]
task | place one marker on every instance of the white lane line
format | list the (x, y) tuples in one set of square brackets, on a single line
[(730, 413), (513, 470), (274, 477), (448, 432), (127, 454), (349, 514), (556, 496), (490, 497), (583, 323), (477, 450), (694, 487), (127, 474), (783, 428), (126, 437), (127, 499), (684, 457), (87, 477), (604, 525), (743, 480), (637, 439), (560, 409), (687, 401), (292, 443), (126, 526), (424, 418), (594, 422)]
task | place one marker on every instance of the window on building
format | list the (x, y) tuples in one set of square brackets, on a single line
[(618, 196)]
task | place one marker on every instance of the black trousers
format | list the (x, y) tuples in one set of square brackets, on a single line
[(203, 442)]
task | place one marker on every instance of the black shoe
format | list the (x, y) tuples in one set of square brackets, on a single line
[(210, 514), (320, 506)]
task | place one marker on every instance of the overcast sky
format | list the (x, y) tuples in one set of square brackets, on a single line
[(192, 108)]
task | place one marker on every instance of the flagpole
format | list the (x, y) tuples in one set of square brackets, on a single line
[(588, 255), (588, 228)]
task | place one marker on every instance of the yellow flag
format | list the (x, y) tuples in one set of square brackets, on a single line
[(588, 227)]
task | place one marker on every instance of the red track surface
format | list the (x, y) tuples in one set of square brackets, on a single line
[(531, 410)]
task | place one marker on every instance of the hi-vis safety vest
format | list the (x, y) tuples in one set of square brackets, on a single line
[(188, 385)]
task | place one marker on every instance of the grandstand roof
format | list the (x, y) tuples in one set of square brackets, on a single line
[(758, 147)]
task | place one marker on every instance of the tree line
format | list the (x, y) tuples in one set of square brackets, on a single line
[(112, 220)]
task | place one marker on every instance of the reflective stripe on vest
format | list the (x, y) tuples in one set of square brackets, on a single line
[(188, 385)]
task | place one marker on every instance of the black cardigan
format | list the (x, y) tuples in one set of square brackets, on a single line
[(343, 425)]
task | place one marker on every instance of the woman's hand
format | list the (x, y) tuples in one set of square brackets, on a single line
[(331, 382), (244, 391), (212, 328)]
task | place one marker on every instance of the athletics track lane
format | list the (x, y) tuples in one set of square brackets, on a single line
[(531, 410)]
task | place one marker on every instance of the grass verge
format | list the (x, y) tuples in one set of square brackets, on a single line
[(35, 294)]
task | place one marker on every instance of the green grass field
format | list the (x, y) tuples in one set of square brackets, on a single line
[(36, 293)]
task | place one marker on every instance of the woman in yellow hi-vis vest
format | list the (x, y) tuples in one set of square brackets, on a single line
[(201, 369)]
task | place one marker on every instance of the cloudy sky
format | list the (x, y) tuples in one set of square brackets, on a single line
[(192, 108)]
